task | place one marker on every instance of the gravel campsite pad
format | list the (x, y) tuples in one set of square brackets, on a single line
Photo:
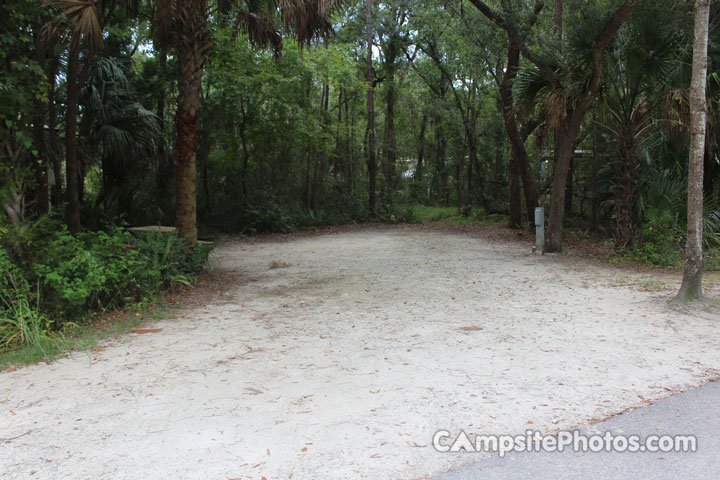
[(339, 356)]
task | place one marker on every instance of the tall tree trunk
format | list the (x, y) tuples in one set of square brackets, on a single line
[(191, 58), (337, 154), (473, 160), (626, 192), (391, 147), (594, 171), (370, 136), (203, 158), (245, 160), (308, 179), (162, 92), (691, 288), (440, 163), (418, 176), (558, 19), (42, 196), (515, 207), (520, 163), (72, 206), (458, 175), (349, 141), (54, 153), (569, 188), (471, 134), (564, 149)]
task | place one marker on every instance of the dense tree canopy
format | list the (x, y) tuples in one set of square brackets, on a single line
[(272, 116)]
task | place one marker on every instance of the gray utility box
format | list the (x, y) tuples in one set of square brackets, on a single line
[(539, 228)]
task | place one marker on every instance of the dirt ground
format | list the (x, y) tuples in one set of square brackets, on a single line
[(341, 354)]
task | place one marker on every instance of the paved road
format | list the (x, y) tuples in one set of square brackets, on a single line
[(696, 412)]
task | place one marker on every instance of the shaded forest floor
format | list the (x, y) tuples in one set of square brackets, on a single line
[(338, 354)]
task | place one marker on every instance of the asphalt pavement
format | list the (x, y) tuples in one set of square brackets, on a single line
[(695, 412)]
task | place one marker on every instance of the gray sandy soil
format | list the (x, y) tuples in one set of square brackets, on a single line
[(343, 359)]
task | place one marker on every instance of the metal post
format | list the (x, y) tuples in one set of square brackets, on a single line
[(539, 229)]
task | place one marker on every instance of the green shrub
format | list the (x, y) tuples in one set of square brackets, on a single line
[(661, 242), (92, 271), (21, 323), (395, 214), (100, 270), (170, 256)]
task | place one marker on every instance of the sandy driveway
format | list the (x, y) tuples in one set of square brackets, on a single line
[(343, 362)]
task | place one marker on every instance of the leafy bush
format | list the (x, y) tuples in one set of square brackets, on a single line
[(395, 214), (79, 274), (97, 270), (268, 218), (171, 257), (92, 271), (661, 241)]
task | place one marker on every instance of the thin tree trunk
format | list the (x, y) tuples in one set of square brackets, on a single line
[(350, 134), (245, 161), (418, 176), (54, 154), (441, 164), (557, 20), (370, 137), (515, 207), (308, 179), (391, 147), (42, 196), (458, 175), (569, 188), (471, 130), (348, 161), (72, 207), (594, 172), (203, 158), (691, 288), (337, 154)]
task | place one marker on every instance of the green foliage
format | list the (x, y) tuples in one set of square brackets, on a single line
[(424, 213), (76, 275), (92, 271), (98, 270), (395, 214), (662, 241), (21, 323), (271, 217)]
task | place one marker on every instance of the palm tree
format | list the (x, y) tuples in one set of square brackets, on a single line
[(119, 129), (641, 68), (80, 25), (185, 26)]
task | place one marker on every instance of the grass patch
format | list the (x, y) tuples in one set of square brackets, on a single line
[(85, 338), (424, 213), (653, 285)]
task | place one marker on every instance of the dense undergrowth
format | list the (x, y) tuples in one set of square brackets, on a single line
[(51, 281)]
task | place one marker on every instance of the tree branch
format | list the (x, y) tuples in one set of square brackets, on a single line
[(517, 39)]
